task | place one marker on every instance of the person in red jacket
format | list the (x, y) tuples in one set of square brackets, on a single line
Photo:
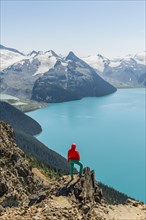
[(74, 158)]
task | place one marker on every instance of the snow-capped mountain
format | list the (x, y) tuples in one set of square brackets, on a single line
[(97, 62), (9, 56), (70, 79), (46, 76), (43, 61), (127, 71), (100, 62), (20, 72), (46, 61)]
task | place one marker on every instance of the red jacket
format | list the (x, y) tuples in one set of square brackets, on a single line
[(73, 154)]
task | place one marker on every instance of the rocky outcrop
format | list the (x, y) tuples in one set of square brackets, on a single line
[(84, 190), (79, 199)]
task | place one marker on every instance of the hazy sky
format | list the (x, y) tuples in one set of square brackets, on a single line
[(111, 28)]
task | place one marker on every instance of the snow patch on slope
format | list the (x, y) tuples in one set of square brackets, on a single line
[(95, 61), (47, 62), (114, 63), (8, 58), (140, 58)]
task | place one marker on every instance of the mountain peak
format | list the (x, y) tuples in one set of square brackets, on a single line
[(51, 53), (100, 56), (72, 56), (32, 53)]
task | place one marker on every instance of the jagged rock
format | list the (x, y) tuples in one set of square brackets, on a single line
[(134, 202), (15, 157), (70, 208), (36, 198), (3, 188), (2, 152), (10, 201), (84, 190), (22, 168)]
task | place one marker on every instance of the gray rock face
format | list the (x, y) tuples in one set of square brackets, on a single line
[(84, 190), (3, 188), (127, 73), (36, 198), (71, 80), (17, 79)]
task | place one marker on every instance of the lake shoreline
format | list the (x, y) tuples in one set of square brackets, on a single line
[(43, 105), (28, 105)]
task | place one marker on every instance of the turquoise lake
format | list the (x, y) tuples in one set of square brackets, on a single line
[(109, 132)]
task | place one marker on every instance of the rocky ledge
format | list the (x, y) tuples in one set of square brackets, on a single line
[(76, 200)]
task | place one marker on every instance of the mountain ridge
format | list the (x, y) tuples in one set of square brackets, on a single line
[(127, 71), (70, 76), (72, 81), (23, 75), (11, 49)]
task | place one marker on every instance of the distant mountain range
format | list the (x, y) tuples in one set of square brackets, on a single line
[(48, 77), (70, 79), (121, 72)]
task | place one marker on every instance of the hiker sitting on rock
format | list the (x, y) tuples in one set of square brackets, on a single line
[(74, 158)]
